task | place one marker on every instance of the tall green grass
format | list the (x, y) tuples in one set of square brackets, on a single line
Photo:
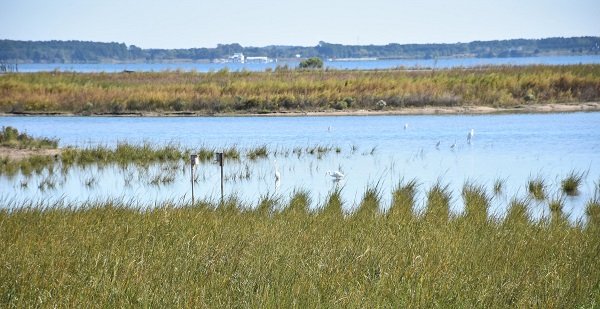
[(228, 254), (258, 92)]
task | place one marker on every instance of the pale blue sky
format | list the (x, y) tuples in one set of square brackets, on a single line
[(187, 23)]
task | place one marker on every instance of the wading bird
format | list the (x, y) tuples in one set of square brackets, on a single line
[(470, 135), (336, 175), (277, 175)]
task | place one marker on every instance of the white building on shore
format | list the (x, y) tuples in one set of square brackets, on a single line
[(240, 58)]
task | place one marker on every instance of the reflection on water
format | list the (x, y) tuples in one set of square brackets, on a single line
[(369, 151)]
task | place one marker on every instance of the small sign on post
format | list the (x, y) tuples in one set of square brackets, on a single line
[(220, 158)]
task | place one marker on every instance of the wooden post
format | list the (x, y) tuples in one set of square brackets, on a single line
[(220, 159), (193, 163)]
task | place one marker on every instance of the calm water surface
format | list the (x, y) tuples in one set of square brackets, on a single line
[(342, 65), (375, 150)]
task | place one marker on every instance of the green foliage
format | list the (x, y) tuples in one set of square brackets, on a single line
[(311, 63), (79, 51), (10, 137)]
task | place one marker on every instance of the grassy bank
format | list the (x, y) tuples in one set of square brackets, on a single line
[(112, 255), (292, 90)]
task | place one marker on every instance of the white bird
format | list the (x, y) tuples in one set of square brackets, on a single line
[(470, 135), (336, 175), (405, 126), (277, 175)]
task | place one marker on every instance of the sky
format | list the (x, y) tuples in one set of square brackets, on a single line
[(188, 24)]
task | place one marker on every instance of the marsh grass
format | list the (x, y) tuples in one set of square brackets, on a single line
[(230, 254), (476, 202), (141, 156), (592, 208), (259, 152), (570, 185), (537, 188), (438, 203), (266, 92), (499, 185)]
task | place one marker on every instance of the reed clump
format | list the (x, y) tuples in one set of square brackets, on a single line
[(537, 188), (570, 185), (290, 90)]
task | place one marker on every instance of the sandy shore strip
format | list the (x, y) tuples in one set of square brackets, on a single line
[(426, 110), (19, 154)]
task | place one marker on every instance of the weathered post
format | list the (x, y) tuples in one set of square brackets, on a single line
[(193, 162), (220, 157)]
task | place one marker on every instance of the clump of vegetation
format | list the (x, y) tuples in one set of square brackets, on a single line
[(592, 208), (258, 153), (10, 137), (570, 185), (537, 188), (311, 63), (499, 186), (476, 201)]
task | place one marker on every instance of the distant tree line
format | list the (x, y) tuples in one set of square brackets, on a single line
[(81, 52)]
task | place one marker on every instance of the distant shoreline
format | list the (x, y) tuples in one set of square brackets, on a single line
[(427, 110)]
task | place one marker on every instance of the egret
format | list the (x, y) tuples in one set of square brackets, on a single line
[(277, 175), (336, 175), (405, 126), (470, 135)]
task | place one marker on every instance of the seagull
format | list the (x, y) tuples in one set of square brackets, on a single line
[(470, 135), (336, 175), (277, 175)]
